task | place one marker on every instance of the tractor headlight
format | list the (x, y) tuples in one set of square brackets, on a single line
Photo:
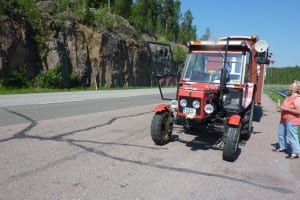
[(173, 104), (209, 108), (196, 104), (183, 102)]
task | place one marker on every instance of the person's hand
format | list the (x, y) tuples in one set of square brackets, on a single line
[(282, 108), (278, 109), (278, 106)]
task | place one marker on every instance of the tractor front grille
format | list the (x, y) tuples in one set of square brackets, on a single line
[(190, 104)]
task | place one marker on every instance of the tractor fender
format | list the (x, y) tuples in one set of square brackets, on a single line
[(162, 107), (234, 120)]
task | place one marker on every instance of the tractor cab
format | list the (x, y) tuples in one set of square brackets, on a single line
[(206, 60), (205, 67)]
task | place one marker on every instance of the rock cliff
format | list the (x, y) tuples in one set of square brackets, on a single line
[(108, 58), (17, 46)]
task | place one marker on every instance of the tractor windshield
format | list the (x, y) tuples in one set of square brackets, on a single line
[(204, 66)]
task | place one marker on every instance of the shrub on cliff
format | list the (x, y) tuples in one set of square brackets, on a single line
[(16, 78), (51, 78)]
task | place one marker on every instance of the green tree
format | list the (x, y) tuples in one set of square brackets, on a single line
[(145, 14), (26, 8), (81, 9), (187, 29), (5, 6), (103, 19), (97, 3), (122, 8), (206, 34), (284, 75), (62, 5), (158, 16), (179, 54), (169, 19)]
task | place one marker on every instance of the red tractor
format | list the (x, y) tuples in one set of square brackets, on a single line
[(217, 90)]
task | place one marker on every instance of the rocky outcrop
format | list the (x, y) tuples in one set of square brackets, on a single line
[(109, 58), (17, 46)]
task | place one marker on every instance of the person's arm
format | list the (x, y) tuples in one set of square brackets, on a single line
[(293, 111), (297, 105)]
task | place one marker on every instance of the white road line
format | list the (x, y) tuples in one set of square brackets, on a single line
[(63, 97)]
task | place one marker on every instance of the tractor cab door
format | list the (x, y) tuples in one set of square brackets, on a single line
[(164, 71)]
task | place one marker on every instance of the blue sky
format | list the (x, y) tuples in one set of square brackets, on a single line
[(276, 21)]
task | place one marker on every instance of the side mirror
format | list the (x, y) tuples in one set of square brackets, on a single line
[(262, 58), (262, 49)]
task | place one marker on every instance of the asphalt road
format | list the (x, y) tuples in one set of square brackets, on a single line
[(100, 148)]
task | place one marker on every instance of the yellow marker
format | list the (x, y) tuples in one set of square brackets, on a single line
[(278, 102)]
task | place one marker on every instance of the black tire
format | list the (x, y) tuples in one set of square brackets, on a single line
[(231, 143), (161, 128), (247, 123)]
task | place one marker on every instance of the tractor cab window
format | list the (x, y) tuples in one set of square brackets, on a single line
[(206, 67), (235, 69)]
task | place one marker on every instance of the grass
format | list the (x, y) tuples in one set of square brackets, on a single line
[(4, 91), (274, 96), (34, 90), (276, 86)]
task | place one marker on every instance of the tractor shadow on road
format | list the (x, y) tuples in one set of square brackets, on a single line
[(205, 141), (202, 140)]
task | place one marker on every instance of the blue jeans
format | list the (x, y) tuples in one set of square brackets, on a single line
[(288, 135)]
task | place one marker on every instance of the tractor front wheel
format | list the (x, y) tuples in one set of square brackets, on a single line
[(231, 142), (161, 128), (247, 123)]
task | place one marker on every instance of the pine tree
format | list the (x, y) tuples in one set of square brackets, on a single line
[(145, 13), (206, 34), (187, 29), (122, 7), (170, 18)]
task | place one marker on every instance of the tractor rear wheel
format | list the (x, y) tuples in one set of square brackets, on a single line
[(161, 128), (231, 143)]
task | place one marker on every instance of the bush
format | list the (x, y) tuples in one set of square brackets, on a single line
[(51, 78), (179, 53), (16, 78), (102, 18), (30, 10), (163, 40), (75, 79)]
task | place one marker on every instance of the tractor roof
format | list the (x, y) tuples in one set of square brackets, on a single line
[(235, 43)]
